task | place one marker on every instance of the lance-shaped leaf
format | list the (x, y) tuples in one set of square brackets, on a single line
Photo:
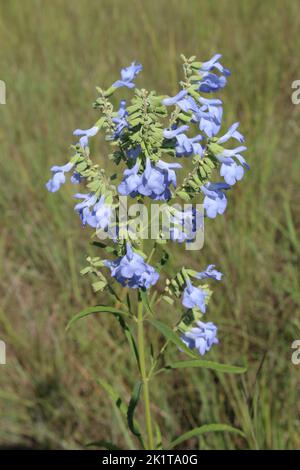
[(131, 408), (215, 427), (218, 367), (98, 309)]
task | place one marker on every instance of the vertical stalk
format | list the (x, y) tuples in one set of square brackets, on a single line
[(141, 349)]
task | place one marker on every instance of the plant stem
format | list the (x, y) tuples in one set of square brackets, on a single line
[(141, 349)]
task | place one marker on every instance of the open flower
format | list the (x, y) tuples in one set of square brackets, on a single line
[(185, 146), (210, 272), (120, 120), (85, 135), (128, 74), (58, 177), (154, 182), (215, 201), (210, 81), (209, 116), (202, 337), (132, 271), (185, 224), (231, 133), (194, 297)]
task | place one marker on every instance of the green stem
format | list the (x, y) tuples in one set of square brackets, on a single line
[(141, 349)]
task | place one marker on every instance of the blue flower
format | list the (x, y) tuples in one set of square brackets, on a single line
[(76, 178), (211, 82), (210, 116), (214, 63), (230, 170), (210, 272), (83, 208), (194, 297), (175, 99), (134, 152), (157, 179), (186, 224), (183, 100), (174, 132), (120, 121), (154, 182), (132, 271), (94, 213), (231, 133), (86, 134), (128, 74), (215, 201), (202, 337), (131, 181), (58, 177), (186, 146)]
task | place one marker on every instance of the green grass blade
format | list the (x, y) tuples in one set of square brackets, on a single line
[(215, 427)]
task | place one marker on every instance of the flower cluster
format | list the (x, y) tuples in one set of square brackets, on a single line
[(148, 137), (132, 271)]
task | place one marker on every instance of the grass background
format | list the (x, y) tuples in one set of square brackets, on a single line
[(53, 54)]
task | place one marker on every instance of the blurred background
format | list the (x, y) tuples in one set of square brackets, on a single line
[(53, 54)]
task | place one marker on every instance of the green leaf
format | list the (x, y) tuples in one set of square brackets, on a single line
[(132, 406), (98, 309), (170, 335), (215, 427), (106, 444), (130, 339), (207, 365)]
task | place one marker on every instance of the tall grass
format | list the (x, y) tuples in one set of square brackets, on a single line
[(53, 54)]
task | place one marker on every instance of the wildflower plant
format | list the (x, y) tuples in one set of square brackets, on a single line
[(155, 141)]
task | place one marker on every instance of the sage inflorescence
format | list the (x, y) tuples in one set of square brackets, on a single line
[(157, 141)]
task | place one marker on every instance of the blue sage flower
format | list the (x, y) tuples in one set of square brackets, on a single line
[(202, 337), (183, 100), (128, 74), (185, 146), (83, 208), (231, 133), (210, 272), (131, 181), (214, 63), (194, 297), (86, 134), (211, 82), (120, 120), (231, 172), (185, 224), (76, 178), (58, 177), (132, 271), (209, 116), (154, 182), (93, 212), (215, 201), (171, 101)]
